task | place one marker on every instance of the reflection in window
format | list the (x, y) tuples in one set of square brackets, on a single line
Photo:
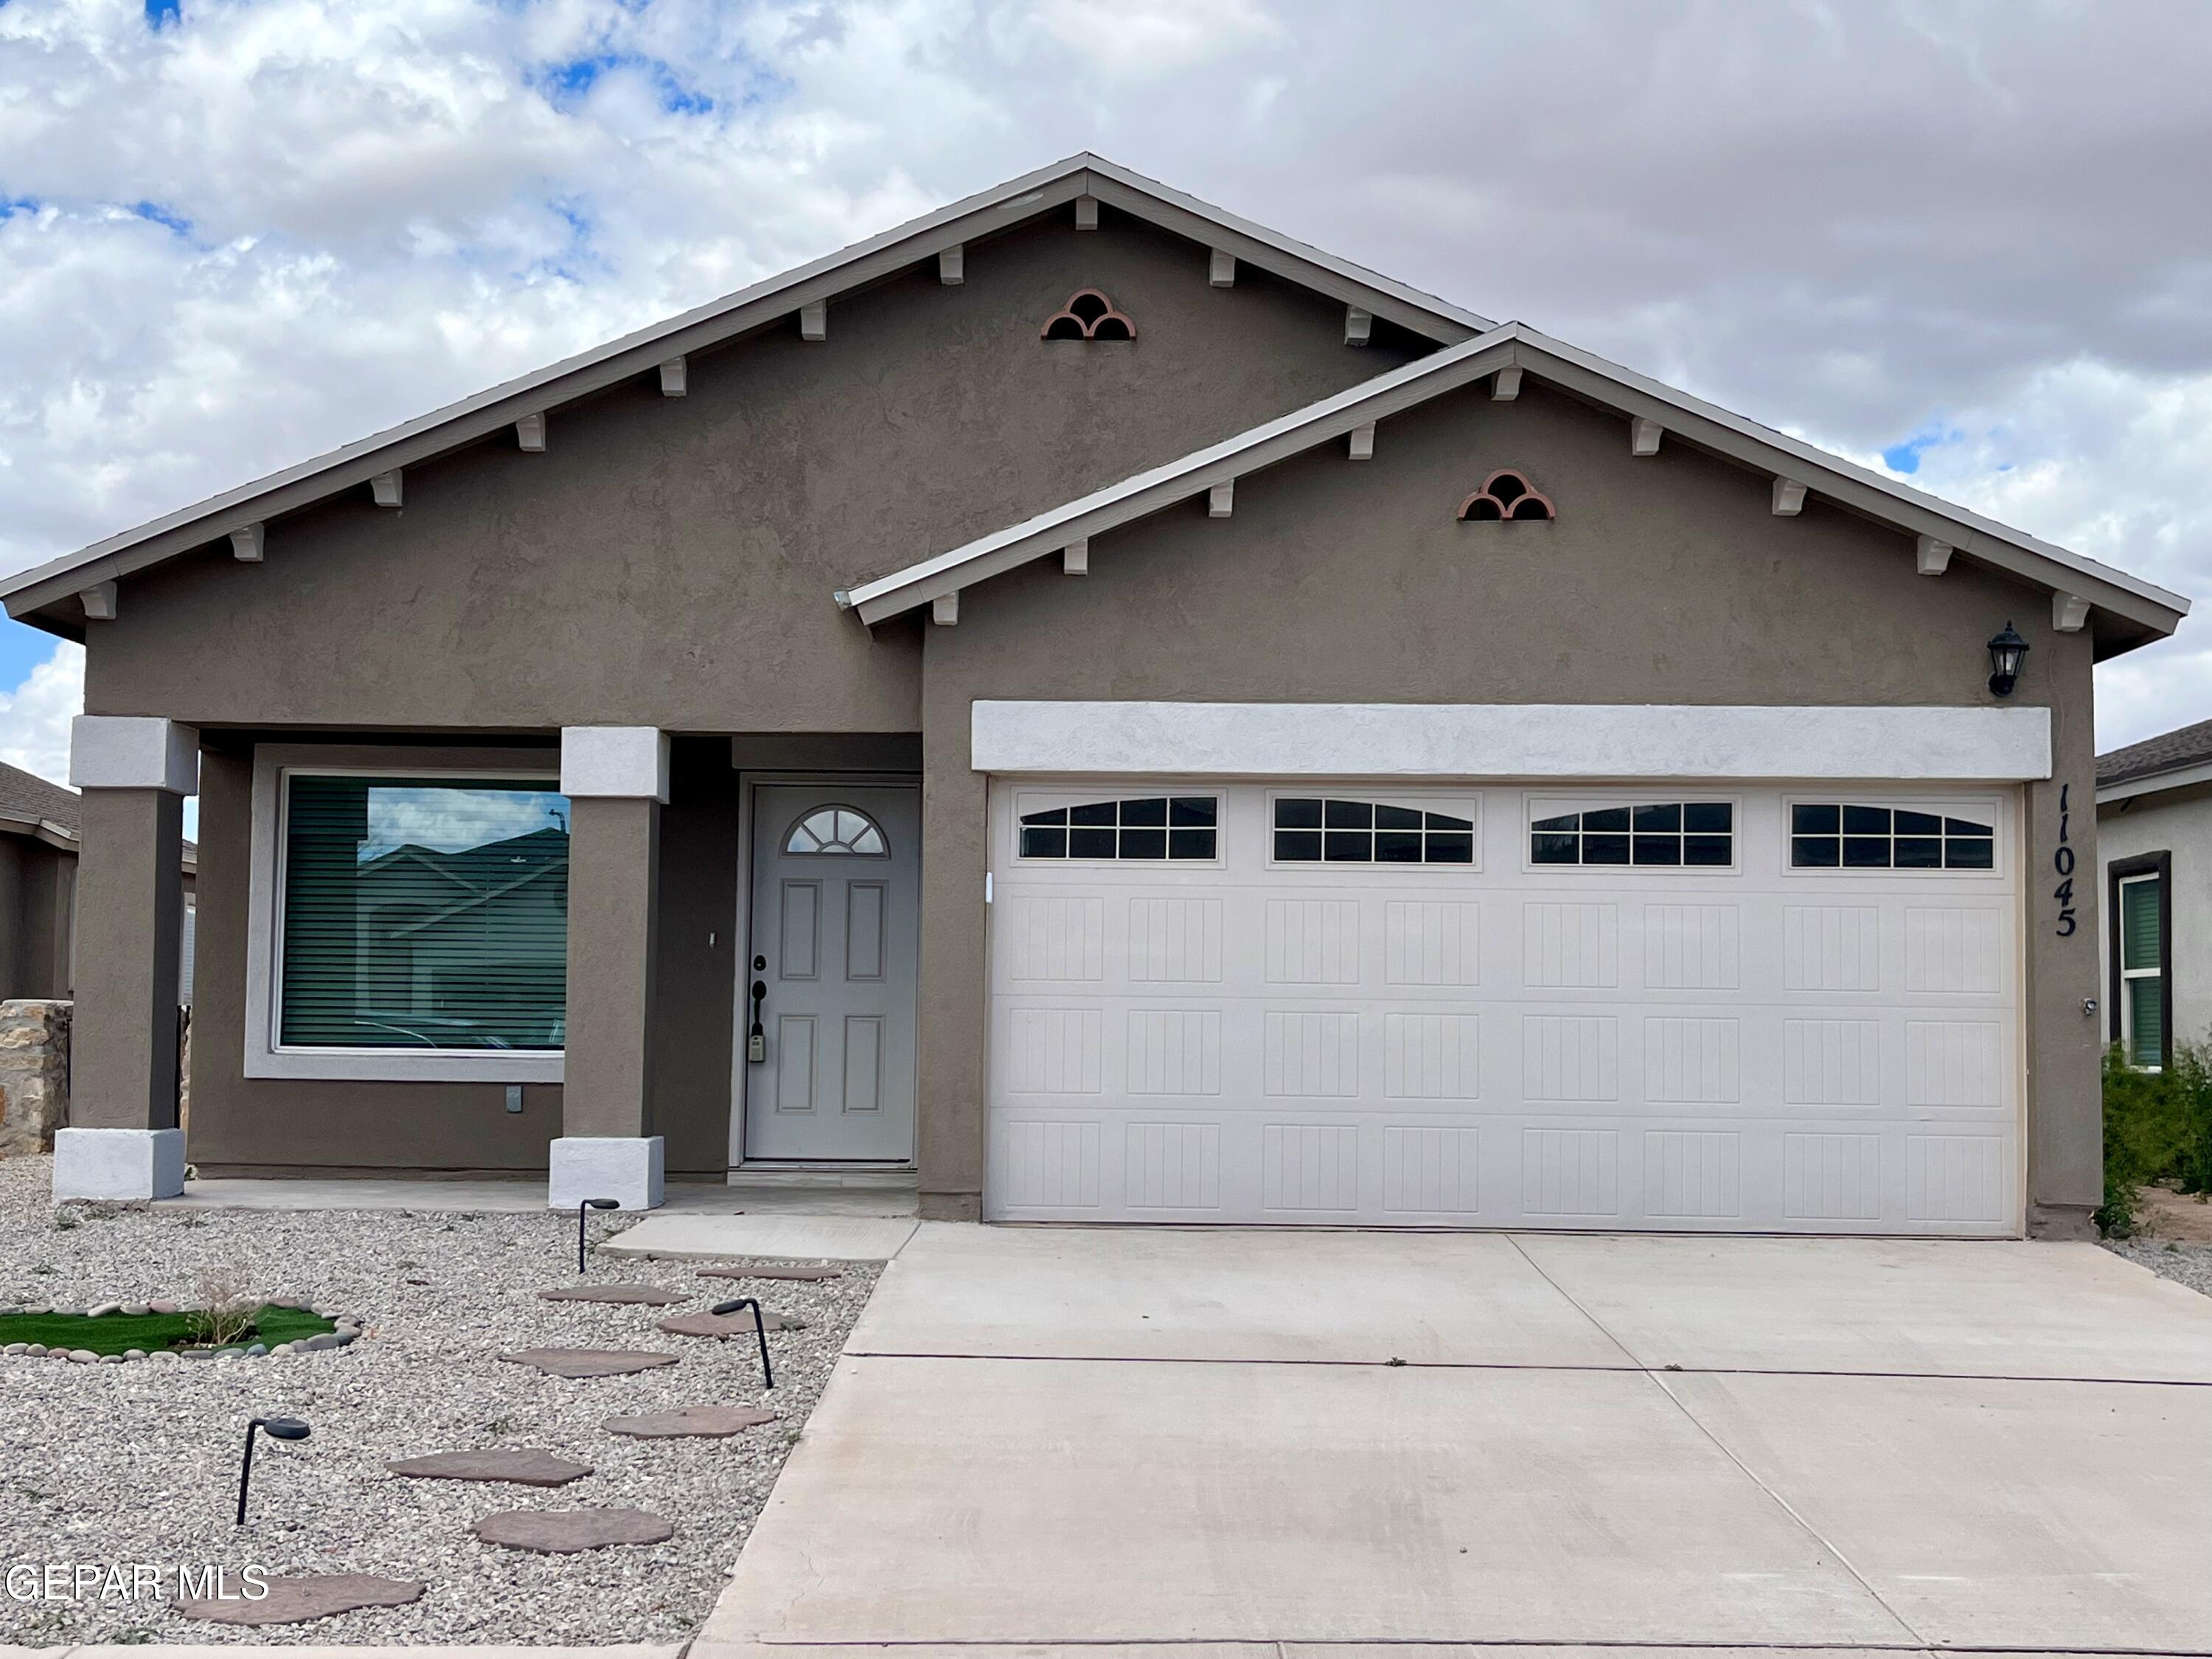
[(1148, 827), (1836, 836), (1318, 830), (422, 914), (1699, 834), (836, 831)]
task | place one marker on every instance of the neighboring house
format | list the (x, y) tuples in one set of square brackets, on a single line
[(38, 890), (2155, 837), (1128, 717)]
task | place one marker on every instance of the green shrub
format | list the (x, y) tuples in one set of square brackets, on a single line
[(2158, 1126)]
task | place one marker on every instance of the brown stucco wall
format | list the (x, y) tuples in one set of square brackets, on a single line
[(670, 561), (1665, 578)]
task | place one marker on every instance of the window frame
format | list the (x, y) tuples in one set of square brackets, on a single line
[(274, 766), (1456, 803), (1991, 807), (1535, 804), (869, 818), (2118, 874), (1053, 799)]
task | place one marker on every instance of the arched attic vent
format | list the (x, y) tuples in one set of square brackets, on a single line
[(1089, 315), (1505, 495)]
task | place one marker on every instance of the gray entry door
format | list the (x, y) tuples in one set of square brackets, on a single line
[(836, 902)]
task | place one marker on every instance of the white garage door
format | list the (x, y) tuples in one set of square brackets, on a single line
[(1763, 1010)]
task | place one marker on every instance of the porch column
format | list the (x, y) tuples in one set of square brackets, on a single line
[(123, 1141), (615, 778)]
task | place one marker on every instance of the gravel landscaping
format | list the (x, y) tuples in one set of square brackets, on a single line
[(2185, 1264), (138, 1463)]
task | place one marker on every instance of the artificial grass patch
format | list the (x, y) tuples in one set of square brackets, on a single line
[(150, 1332)]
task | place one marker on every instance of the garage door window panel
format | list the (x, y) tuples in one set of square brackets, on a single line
[(1654, 835), (1140, 829), (1345, 829), (1857, 835)]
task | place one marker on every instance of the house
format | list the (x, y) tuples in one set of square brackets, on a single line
[(1130, 717), (38, 890), (2154, 839)]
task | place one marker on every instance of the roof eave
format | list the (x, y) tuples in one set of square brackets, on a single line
[(2129, 610), (2156, 783), (487, 413)]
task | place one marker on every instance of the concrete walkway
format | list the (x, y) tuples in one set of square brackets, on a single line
[(1054, 1438)]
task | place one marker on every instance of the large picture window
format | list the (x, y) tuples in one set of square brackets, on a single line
[(421, 914)]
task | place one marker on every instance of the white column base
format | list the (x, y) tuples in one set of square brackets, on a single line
[(625, 1168), (118, 1163)]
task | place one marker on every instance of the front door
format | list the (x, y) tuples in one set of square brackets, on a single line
[(835, 905)]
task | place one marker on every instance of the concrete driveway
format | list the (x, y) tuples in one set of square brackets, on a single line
[(1059, 1437)]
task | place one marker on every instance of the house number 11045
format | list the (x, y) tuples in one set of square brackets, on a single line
[(2061, 860)]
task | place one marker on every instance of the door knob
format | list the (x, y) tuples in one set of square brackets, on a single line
[(757, 1043)]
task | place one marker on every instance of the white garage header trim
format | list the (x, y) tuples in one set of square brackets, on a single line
[(1510, 740)]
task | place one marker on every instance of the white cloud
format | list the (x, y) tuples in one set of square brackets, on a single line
[(34, 719), (1866, 222)]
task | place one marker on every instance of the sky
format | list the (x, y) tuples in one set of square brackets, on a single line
[(1970, 242)]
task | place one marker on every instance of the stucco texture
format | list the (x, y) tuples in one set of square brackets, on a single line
[(670, 561), (1664, 579)]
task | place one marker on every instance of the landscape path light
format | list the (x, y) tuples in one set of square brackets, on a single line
[(760, 1331), (279, 1428), (583, 1209)]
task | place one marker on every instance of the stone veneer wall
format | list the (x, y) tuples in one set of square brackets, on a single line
[(34, 1071)]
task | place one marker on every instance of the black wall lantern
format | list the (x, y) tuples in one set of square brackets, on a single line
[(2006, 651)]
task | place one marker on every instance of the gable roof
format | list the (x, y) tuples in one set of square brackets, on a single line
[(2127, 611), (858, 266), (2170, 760)]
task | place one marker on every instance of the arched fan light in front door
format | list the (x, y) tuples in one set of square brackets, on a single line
[(836, 831)]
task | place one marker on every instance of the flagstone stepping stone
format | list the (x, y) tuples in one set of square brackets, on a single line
[(716, 1422), (311, 1596), (800, 1275), (564, 1532), (651, 1296), (589, 1362), (524, 1467), (726, 1325)]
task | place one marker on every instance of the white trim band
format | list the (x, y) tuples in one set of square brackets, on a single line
[(614, 762), (1510, 740), (134, 752)]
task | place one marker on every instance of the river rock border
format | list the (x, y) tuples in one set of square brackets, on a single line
[(347, 1332)]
